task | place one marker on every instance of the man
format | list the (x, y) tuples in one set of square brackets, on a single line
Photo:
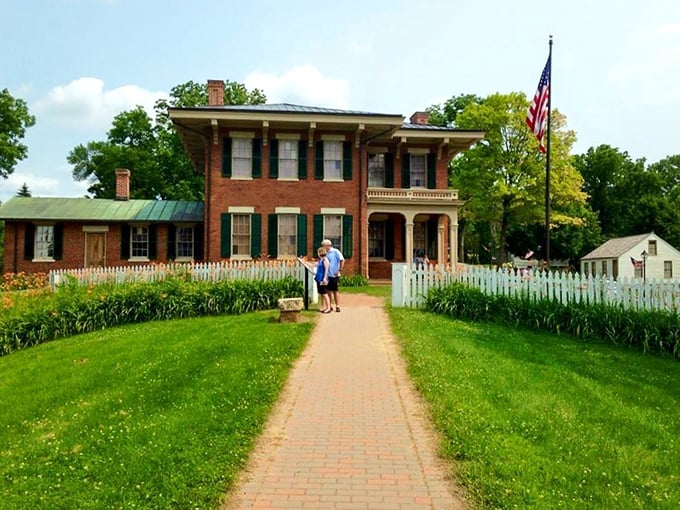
[(335, 262)]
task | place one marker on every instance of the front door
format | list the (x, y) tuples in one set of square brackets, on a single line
[(95, 249)]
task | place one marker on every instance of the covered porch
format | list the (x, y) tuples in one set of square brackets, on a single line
[(406, 222)]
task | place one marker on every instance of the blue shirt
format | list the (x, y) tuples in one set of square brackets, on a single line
[(334, 257)]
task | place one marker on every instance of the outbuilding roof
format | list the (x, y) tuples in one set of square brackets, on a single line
[(99, 209), (616, 247)]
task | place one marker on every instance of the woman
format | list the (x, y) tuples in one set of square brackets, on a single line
[(321, 278)]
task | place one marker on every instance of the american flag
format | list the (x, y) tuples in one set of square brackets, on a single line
[(539, 106)]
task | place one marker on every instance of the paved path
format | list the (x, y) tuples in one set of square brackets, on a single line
[(349, 431)]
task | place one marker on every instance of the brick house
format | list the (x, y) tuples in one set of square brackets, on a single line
[(279, 178), (54, 233)]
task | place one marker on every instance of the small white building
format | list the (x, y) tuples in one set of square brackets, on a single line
[(630, 256)]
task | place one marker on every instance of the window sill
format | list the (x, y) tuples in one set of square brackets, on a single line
[(241, 257), (43, 259), (241, 178), (138, 259), (288, 179), (326, 179), (184, 259), (377, 259)]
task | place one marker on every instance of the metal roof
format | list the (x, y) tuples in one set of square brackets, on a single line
[(616, 247), (288, 108), (98, 209)]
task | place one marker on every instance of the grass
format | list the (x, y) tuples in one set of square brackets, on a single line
[(156, 415), (541, 421), (381, 291)]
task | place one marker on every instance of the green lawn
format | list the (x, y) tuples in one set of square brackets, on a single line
[(540, 421), (156, 415), (381, 291)]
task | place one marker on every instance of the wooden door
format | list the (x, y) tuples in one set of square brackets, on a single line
[(95, 249)]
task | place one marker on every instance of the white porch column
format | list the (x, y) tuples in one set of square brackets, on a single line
[(409, 242), (453, 240), (441, 252)]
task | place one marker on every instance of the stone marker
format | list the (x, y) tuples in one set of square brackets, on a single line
[(289, 309)]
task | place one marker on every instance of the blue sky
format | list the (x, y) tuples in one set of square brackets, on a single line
[(77, 63)]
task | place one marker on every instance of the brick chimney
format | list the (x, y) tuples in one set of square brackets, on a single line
[(215, 93), (122, 184), (420, 118)]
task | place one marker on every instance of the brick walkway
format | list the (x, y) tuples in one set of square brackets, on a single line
[(348, 431)]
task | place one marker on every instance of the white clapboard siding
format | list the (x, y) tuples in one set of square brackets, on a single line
[(410, 285)]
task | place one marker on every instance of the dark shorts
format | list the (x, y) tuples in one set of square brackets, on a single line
[(333, 283), (323, 289)]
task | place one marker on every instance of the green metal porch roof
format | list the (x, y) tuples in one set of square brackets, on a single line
[(98, 209)]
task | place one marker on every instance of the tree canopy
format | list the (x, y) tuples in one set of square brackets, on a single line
[(150, 148), (14, 120)]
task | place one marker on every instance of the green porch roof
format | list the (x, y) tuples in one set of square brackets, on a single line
[(98, 209)]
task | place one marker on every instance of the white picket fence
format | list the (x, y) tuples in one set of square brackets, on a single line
[(410, 285), (207, 271)]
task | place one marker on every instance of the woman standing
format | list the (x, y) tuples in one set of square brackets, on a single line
[(321, 278)]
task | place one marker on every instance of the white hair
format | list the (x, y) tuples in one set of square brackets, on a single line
[(326, 242)]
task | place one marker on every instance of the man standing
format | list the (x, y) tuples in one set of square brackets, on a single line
[(335, 262)]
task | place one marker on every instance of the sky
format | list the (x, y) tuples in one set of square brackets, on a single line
[(77, 63)]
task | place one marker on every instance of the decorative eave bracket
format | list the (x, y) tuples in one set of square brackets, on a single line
[(265, 132), (215, 130), (399, 144), (357, 135), (312, 127), (440, 149)]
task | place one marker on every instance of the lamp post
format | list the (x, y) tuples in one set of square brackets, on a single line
[(644, 265)]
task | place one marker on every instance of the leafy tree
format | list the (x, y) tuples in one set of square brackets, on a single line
[(502, 178), (14, 119), (151, 148), (23, 191), (446, 114)]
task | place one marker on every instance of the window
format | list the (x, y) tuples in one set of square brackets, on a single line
[(376, 170), (604, 267), (240, 235), (287, 235), (592, 268), (332, 160), (668, 269), (332, 229), (44, 242), (638, 271), (288, 159), (418, 170), (419, 236), (376, 239), (651, 248), (139, 242), (242, 158), (185, 242)]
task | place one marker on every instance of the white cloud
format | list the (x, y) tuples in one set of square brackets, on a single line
[(301, 85), (85, 104)]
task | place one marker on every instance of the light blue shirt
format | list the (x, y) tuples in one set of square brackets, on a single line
[(334, 257)]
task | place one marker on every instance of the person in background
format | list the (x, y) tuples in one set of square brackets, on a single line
[(335, 263), (321, 279)]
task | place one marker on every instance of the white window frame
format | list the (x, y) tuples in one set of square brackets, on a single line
[(134, 231), (332, 160), (179, 242), (288, 160), (668, 269), (286, 239), (416, 170), (234, 217), (335, 240), (652, 248), (43, 243), (242, 158), (376, 165), (376, 239)]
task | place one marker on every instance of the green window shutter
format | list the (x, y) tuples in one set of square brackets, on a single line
[(302, 235), (389, 170), (317, 234), (125, 242), (226, 157), (431, 171), (29, 242), (273, 235), (389, 239), (255, 235), (347, 244), (153, 242), (257, 158), (405, 170), (273, 159), (432, 228), (347, 161), (172, 238), (318, 160), (58, 242), (302, 159), (225, 235), (198, 242)]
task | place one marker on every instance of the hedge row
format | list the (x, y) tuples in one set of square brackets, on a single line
[(652, 331), (73, 309)]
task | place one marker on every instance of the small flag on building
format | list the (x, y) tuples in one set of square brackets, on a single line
[(529, 254), (538, 110), (637, 264)]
